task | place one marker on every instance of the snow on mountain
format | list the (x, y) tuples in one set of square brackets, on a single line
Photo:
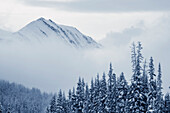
[(47, 30)]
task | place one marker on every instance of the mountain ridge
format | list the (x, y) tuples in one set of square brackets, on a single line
[(42, 29)]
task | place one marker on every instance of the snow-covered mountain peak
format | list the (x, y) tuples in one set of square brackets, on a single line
[(43, 29), (41, 19)]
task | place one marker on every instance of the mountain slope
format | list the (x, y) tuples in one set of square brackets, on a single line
[(43, 29)]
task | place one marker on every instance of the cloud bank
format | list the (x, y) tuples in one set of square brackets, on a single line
[(103, 5)]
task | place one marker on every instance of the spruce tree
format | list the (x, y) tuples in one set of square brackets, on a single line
[(167, 103), (65, 104), (130, 96), (137, 98), (112, 91), (73, 101), (83, 93), (102, 94), (53, 106), (159, 96), (122, 87), (79, 97), (109, 90), (145, 86), (152, 87), (133, 57), (145, 78), (83, 88), (86, 106), (59, 105), (92, 96), (69, 101), (96, 94)]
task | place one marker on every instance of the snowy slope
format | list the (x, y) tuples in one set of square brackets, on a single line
[(43, 30)]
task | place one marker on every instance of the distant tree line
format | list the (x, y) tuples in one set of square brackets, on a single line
[(115, 95), (16, 98)]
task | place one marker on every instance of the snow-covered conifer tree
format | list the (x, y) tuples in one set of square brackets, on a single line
[(92, 96), (65, 104), (145, 86), (59, 105), (152, 87), (79, 97), (86, 106), (159, 96), (53, 106), (137, 98), (69, 101), (112, 91), (167, 103), (122, 87), (73, 101), (96, 94), (102, 94)]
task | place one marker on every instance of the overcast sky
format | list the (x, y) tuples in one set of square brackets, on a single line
[(115, 22)]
